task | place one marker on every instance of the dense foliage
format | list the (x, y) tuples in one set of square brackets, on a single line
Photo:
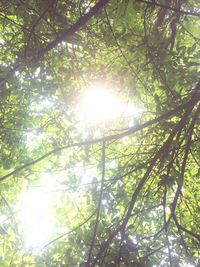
[(117, 192)]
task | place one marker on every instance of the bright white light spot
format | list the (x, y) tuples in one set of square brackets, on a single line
[(33, 139), (130, 110), (36, 219), (37, 72), (35, 214), (42, 105), (187, 264), (104, 201), (134, 239), (3, 218), (2, 42), (101, 104)]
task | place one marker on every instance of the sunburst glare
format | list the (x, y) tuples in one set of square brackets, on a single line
[(100, 103)]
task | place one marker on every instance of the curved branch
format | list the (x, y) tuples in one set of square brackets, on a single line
[(170, 8), (179, 226), (67, 233), (99, 204), (183, 167), (75, 27), (145, 177), (132, 130), (36, 24)]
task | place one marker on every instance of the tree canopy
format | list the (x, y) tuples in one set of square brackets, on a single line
[(109, 179)]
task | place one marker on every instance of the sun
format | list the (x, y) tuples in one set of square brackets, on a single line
[(101, 104)]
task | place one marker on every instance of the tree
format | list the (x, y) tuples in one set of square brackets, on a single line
[(116, 192)]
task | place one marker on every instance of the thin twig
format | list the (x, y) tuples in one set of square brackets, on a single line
[(131, 131), (170, 8), (99, 204), (75, 27)]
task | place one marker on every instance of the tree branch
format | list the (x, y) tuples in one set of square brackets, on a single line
[(183, 167), (145, 177), (75, 27), (132, 130), (71, 231), (99, 204), (179, 226), (170, 8), (36, 24)]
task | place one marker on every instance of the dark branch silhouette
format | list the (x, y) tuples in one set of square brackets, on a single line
[(170, 8), (103, 139), (75, 27)]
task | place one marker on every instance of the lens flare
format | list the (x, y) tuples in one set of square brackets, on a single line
[(101, 104)]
